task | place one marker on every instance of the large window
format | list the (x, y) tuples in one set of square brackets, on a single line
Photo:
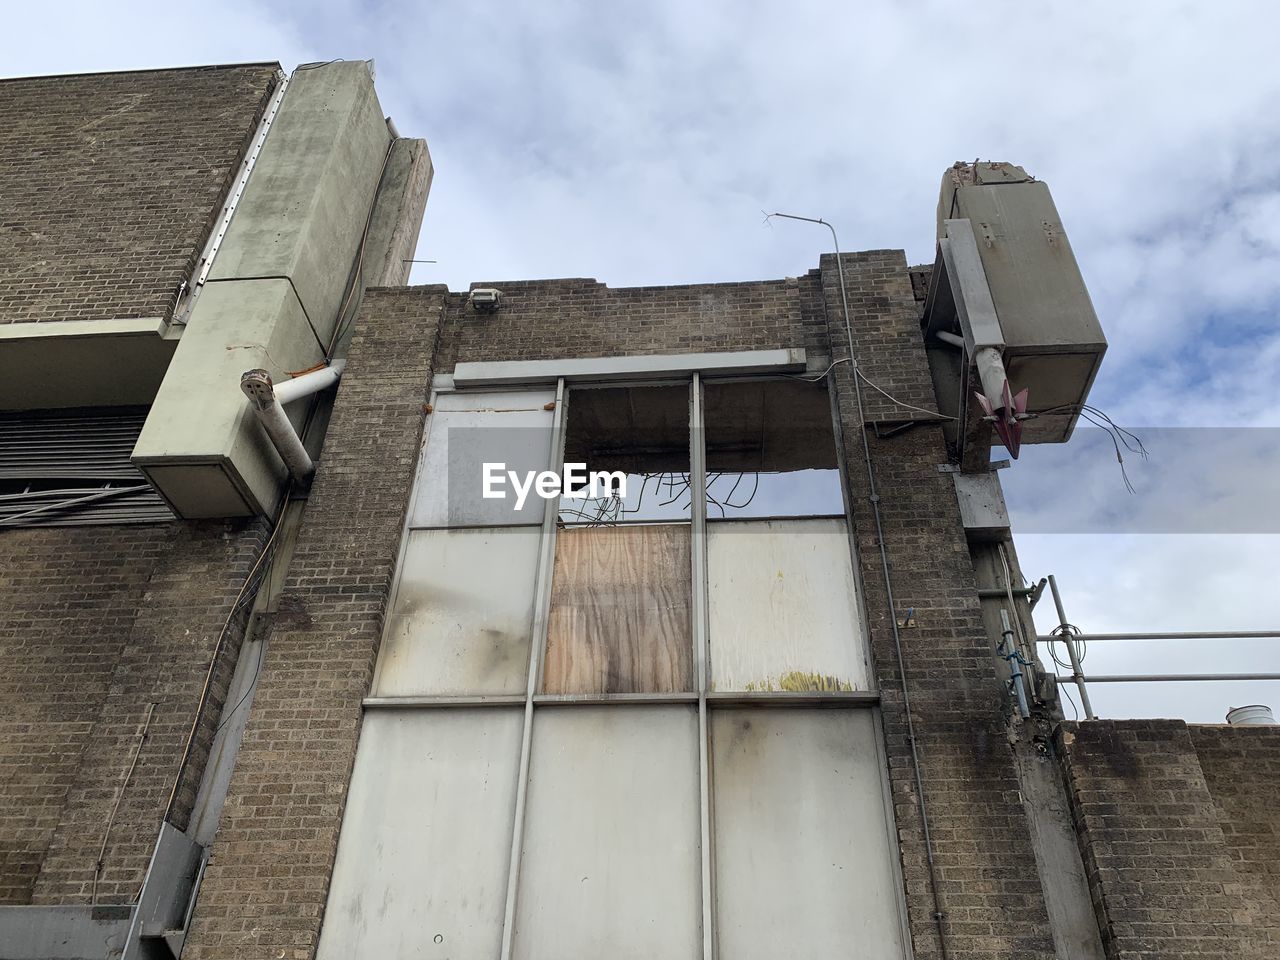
[(631, 720)]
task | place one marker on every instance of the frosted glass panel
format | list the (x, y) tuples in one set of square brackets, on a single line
[(422, 859), (783, 607), (463, 614), (803, 861), (611, 852), (467, 430)]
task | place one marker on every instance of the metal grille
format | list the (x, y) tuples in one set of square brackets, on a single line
[(71, 467)]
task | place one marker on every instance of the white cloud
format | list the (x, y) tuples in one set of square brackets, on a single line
[(639, 143)]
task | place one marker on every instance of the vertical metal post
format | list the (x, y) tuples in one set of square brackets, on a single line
[(701, 652), (1009, 651), (541, 613), (1076, 673)]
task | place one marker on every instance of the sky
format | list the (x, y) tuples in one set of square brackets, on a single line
[(642, 143)]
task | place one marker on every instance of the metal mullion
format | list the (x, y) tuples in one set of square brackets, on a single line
[(891, 829), (473, 526), (698, 572), (786, 698), (610, 699), (541, 613), (441, 702)]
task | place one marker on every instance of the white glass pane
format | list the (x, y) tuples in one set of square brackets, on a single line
[(803, 860), (463, 614), (468, 430), (783, 606), (611, 852), (422, 859)]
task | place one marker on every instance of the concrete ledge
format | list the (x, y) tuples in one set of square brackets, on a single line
[(83, 363), (63, 932)]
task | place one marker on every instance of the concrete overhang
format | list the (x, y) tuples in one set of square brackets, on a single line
[(83, 363)]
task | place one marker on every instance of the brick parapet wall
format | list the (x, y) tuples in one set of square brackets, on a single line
[(265, 887), (1161, 870), (111, 183), (1241, 767)]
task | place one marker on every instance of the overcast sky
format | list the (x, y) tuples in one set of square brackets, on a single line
[(640, 143)]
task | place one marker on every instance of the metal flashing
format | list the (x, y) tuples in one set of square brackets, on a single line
[(485, 374)]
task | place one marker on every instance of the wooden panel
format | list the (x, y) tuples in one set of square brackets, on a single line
[(620, 611), (611, 854), (783, 607)]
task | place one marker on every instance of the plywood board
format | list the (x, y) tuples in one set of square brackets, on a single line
[(620, 611), (783, 607), (422, 859), (463, 614), (803, 860), (611, 860)]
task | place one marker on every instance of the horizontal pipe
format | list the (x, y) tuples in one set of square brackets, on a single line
[(309, 383), (1170, 677), (950, 338), (1201, 635)]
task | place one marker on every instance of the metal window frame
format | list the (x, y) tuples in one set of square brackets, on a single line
[(701, 697)]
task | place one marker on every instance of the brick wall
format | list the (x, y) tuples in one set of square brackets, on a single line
[(111, 182), (265, 887), (1162, 871), (98, 623), (987, 875), (1241, 767), (265, 891)]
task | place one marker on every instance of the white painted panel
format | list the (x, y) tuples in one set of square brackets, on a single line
[(783, 606), (463, 614), (803, 860), (467, 430), (611, 850), (422, 859)]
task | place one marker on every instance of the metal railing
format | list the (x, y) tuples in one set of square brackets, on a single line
[(1070, 637)]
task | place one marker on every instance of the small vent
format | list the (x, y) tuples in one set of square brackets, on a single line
[(71, 467)]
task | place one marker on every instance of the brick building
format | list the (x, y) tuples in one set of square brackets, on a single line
[(279, 681)]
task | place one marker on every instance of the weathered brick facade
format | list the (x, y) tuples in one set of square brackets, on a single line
[(111, 182), (266, 886), (107, 633), (100, 622), (1180, 835)]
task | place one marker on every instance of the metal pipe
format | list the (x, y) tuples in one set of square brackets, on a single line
[(1192, 635), (950, 338), (991, 373), (309, 383), (1000, 593), (1176, 677), (1009, 653), (267, 401), (1066, 637), (873, 497), (256, 385)]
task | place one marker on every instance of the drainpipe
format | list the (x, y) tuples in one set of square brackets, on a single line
[(268, 402)]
